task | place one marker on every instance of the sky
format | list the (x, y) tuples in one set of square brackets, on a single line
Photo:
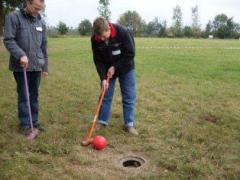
[(72, 12)]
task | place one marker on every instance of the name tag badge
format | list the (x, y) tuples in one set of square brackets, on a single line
[(117, 52), (39, 29)]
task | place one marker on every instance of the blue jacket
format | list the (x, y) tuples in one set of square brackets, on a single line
[(25, 35)]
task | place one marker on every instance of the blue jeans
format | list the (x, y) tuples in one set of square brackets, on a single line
[(33, 83), (128, 91)]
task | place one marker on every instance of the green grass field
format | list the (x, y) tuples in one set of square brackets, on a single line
[(188, 114)]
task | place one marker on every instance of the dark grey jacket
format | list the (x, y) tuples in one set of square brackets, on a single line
[(26, 35)]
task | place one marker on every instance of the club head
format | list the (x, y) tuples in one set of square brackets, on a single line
[(87, 141)]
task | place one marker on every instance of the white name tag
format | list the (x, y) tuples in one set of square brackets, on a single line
[(39, 29), (117, 52)]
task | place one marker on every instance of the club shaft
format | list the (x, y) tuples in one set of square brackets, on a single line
[(28, 98), (102, 94)]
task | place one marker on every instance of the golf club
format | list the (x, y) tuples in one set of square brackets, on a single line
[(88, 138), (34, 132)]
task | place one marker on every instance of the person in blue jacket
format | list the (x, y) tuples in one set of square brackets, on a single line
[(25, 37)]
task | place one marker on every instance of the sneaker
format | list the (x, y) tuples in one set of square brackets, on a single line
[(101, 126), (132, 131), (25, 131)]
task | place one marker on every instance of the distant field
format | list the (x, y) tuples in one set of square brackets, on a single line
[(188, 114)]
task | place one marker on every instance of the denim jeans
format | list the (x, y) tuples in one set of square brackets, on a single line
[(33, 83), (128, 91)]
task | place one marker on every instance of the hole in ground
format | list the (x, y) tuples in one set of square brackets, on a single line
[(132, 162)]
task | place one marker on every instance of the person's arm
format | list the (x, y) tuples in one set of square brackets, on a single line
[(128, 50), (10, 32), (101, 68), (44, 49)]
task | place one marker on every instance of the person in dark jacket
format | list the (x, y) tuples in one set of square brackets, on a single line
[(113, 53), (26, 39)]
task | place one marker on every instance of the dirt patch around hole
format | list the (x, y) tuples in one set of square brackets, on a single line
[(106, 163)]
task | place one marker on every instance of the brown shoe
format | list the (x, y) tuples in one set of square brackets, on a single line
[(132, 131), (101, 127)]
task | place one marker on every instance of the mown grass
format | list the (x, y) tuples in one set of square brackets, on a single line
[(188, 114)]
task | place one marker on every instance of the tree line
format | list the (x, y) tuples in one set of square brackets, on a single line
[(221, 26)]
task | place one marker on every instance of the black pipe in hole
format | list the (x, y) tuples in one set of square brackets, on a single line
[(132, 163)]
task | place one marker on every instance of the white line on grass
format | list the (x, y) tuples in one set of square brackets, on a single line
[(187, 47)]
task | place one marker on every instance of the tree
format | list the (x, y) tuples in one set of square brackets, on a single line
[(52, 31), (224, 27), (196, 30), (236, 33), (132, 21), (163, 31), (209, 29), (62, 28), (85, 27), (5, 7), (103, 9), (187, 31), (156, 28), (73, 31), (153, 27), (233, 28), (170, 32), (220, 26), (177, 21)]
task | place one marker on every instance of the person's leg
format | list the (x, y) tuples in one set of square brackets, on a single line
[(107, 103), (22, 101), (128, 90), (34, 83)]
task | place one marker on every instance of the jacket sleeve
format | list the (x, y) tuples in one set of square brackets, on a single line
[(10, 32), (100, 66), (128, 50), (44, 48)]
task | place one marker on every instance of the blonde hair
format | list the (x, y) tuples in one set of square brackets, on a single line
[(100, 25)]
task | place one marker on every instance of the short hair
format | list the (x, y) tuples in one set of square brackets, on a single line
[(26, 1), (100, 25)]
